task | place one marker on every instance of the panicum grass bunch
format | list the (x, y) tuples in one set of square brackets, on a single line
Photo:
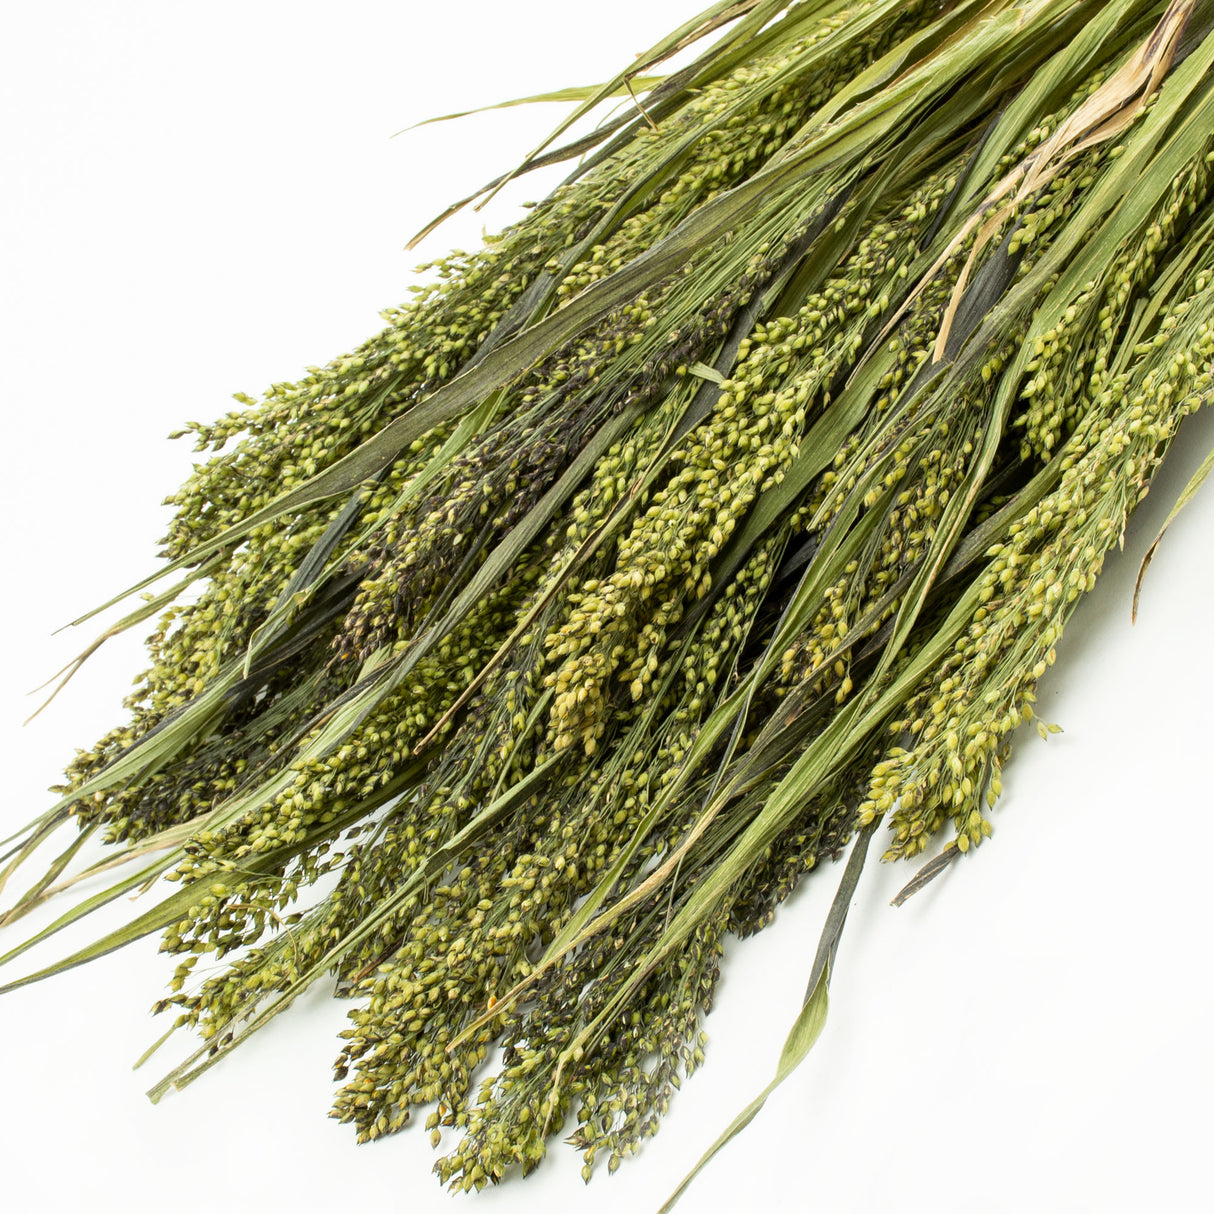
[(716, 520)]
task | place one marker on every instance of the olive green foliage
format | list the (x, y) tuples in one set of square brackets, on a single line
[(732, 501)]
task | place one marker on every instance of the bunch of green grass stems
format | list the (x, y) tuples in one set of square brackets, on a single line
[(725, 510)]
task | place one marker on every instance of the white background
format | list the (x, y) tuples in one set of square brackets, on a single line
[(201, 199)]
